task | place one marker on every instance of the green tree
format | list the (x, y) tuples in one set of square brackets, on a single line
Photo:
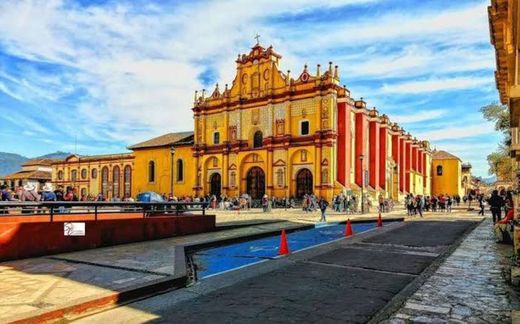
[(499, 161)]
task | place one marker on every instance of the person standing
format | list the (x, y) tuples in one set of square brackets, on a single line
[(496, 202), (323, 208), (481, 204), (420, 205), (265, 203), (381, 201), (47, 193)]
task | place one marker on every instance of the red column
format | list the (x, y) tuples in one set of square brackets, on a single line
[(383, 147), (424, 171), (419, 160), (402, 166), (407, 165), (343, 143), (396, 154), (361, 134), (374, 153), (414, 158)]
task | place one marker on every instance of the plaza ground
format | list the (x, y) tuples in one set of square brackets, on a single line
[(351, 280)]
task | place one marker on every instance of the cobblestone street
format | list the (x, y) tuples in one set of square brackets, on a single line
[(468, 287)]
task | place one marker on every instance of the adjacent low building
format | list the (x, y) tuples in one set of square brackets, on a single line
[(110, 175), (164, 165)]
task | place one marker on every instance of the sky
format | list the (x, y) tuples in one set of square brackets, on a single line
[(94, 77)]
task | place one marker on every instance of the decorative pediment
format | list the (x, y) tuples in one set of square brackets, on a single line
[(253, 158), (232, 167), (279, 162), (325, 162)]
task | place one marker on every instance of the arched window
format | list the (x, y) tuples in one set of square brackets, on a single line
[(151, 171), (258, 139), (104, 181), (115, 181), (304, 128), (60, 175), (74, 175), (128, 181), (83, 174), (180, 170), (216, 138), (93, 174), (439, 170)]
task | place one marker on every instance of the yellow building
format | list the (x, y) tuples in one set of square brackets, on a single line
[(446, 174), (109, 174), (165, 165), (268, 133)]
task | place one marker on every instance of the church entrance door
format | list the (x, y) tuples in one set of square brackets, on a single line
[(304, 183), (256, 183), (215, 181)]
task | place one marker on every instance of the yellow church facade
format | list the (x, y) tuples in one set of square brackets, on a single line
[(268, 133)]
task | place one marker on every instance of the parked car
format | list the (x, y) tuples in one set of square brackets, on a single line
[(150, 196)]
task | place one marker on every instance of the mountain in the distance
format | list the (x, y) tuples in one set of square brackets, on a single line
[(10, 162)]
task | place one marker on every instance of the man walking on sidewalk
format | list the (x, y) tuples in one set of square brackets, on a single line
[(481, 204), (323, 207)]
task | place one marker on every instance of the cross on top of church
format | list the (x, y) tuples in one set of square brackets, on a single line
[(257, 37)]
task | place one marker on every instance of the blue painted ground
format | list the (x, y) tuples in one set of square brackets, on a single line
[(218, 259)]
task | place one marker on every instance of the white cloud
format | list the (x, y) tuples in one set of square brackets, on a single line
[(455, 132), (437, 84), (418, 116), (139, 65)]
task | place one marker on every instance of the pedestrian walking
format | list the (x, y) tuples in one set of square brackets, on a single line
[(481, 204), (323, 208)]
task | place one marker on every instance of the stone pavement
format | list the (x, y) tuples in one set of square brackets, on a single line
[(469, 287), (44, 284), (345, 281)]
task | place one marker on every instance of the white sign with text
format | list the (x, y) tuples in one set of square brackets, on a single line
[(74, 229)]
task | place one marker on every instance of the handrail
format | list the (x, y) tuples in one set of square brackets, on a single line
[(53, 208)]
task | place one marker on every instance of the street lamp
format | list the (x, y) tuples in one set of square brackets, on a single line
[(172, 152), (361, 157)]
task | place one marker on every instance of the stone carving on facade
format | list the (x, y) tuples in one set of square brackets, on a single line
[(255, 117), (280, 126), (324, 175), (233, 132)]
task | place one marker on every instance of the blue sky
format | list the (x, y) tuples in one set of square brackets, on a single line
[(113, 73)]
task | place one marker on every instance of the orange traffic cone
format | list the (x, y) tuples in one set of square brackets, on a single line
[(284, 247), (348, 229), (379, 221)]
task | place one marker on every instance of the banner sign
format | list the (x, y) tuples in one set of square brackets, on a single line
[(74, 229)]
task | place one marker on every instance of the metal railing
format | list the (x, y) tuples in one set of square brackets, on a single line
[(96, 208)]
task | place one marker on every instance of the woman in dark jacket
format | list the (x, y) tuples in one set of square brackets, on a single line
[(496, 202)]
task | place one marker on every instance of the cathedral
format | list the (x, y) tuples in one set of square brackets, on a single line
[(277, 133), (286, 135)]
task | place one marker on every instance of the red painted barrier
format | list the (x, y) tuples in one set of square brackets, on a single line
[(24, 240)]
